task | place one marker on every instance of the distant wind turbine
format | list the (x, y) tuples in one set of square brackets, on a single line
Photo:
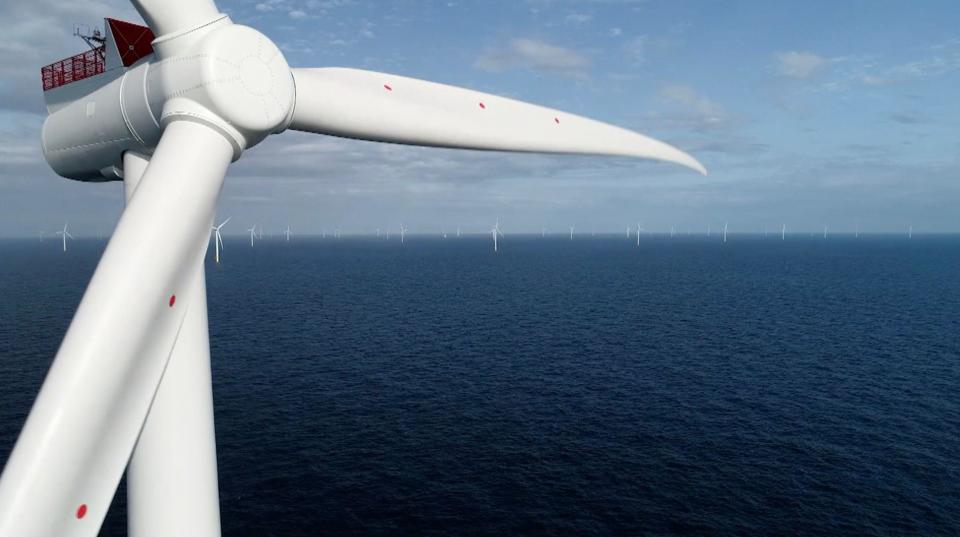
[(218, 240), (253, 234), (495, 232), (639, 228), (856, 234), (571, 232), (824, 232), (783, 232), (628, 232), (403, 233), (671, 231), (458, 232), (288, 233), (725, 232), (64, 233), (378, 233), (909, 232)]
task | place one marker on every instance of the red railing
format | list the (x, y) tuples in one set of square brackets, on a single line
[(67, 70)]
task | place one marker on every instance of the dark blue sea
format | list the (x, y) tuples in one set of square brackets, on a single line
[(586, 387)]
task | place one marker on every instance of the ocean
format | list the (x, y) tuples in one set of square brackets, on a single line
[(585, 387)]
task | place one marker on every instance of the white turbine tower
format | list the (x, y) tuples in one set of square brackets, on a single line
[(378, 233), (495, 232), (725, 232), (403, 233), (639, 229), (253, 234), (571, 232), (218, 239), (288, 233), (458, 232), (783, 232), (129, 388), (824, 232), (65, 234), (909, 233)]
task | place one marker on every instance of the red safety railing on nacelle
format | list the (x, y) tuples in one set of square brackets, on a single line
[(67, 70)]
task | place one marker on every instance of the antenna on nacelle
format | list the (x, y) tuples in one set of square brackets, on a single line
[(93, 38)]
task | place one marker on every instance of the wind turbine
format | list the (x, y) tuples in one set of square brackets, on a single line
[(253, 234), (496, 231), (403, 233), (783, 232), (639, 228), (909, 234), (458, 232), (725, 232), (288, 233), (378, 233), (64, 233), (218, 239), (824, 232), (129, 388), (571, 232)]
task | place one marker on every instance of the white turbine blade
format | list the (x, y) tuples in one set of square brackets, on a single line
[(68, 234), (65, 467), (388, 108), (224, 222), (170, 16)]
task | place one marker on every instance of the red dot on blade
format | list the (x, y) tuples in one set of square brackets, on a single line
[(173, 299), (483, 106), (556, 120), (81, 511), (387, 87)]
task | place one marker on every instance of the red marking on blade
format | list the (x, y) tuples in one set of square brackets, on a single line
[(173, 298), (483, 106), (387, 87), (556, 120), (81, 511)]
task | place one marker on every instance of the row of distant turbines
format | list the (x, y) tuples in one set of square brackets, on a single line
[(256, 233)]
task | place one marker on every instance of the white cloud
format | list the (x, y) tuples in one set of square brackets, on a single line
[(688, 109), (795, 64), (533, 54)]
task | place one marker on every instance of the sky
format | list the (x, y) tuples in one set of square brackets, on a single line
[(806, 114)]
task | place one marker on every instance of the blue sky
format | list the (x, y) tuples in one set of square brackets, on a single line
[(809, 114)]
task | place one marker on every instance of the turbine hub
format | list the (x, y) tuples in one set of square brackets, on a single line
[(233, 78)]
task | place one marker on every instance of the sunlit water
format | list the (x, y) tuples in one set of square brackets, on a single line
[(585, 387)]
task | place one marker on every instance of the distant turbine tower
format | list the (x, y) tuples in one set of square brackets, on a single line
[(64, 233), (671, 231), (783, 232), (378, 233), (856, 234), (443, 233), (323, 233), (218, 240), (909, 233), (638, 233), (403, 233), (458, 232), (260, 233), (543, 232), (628, 232), (725, 232), (495, 232), (253, 234), (288, 232), (571, 232), (824, 232)]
